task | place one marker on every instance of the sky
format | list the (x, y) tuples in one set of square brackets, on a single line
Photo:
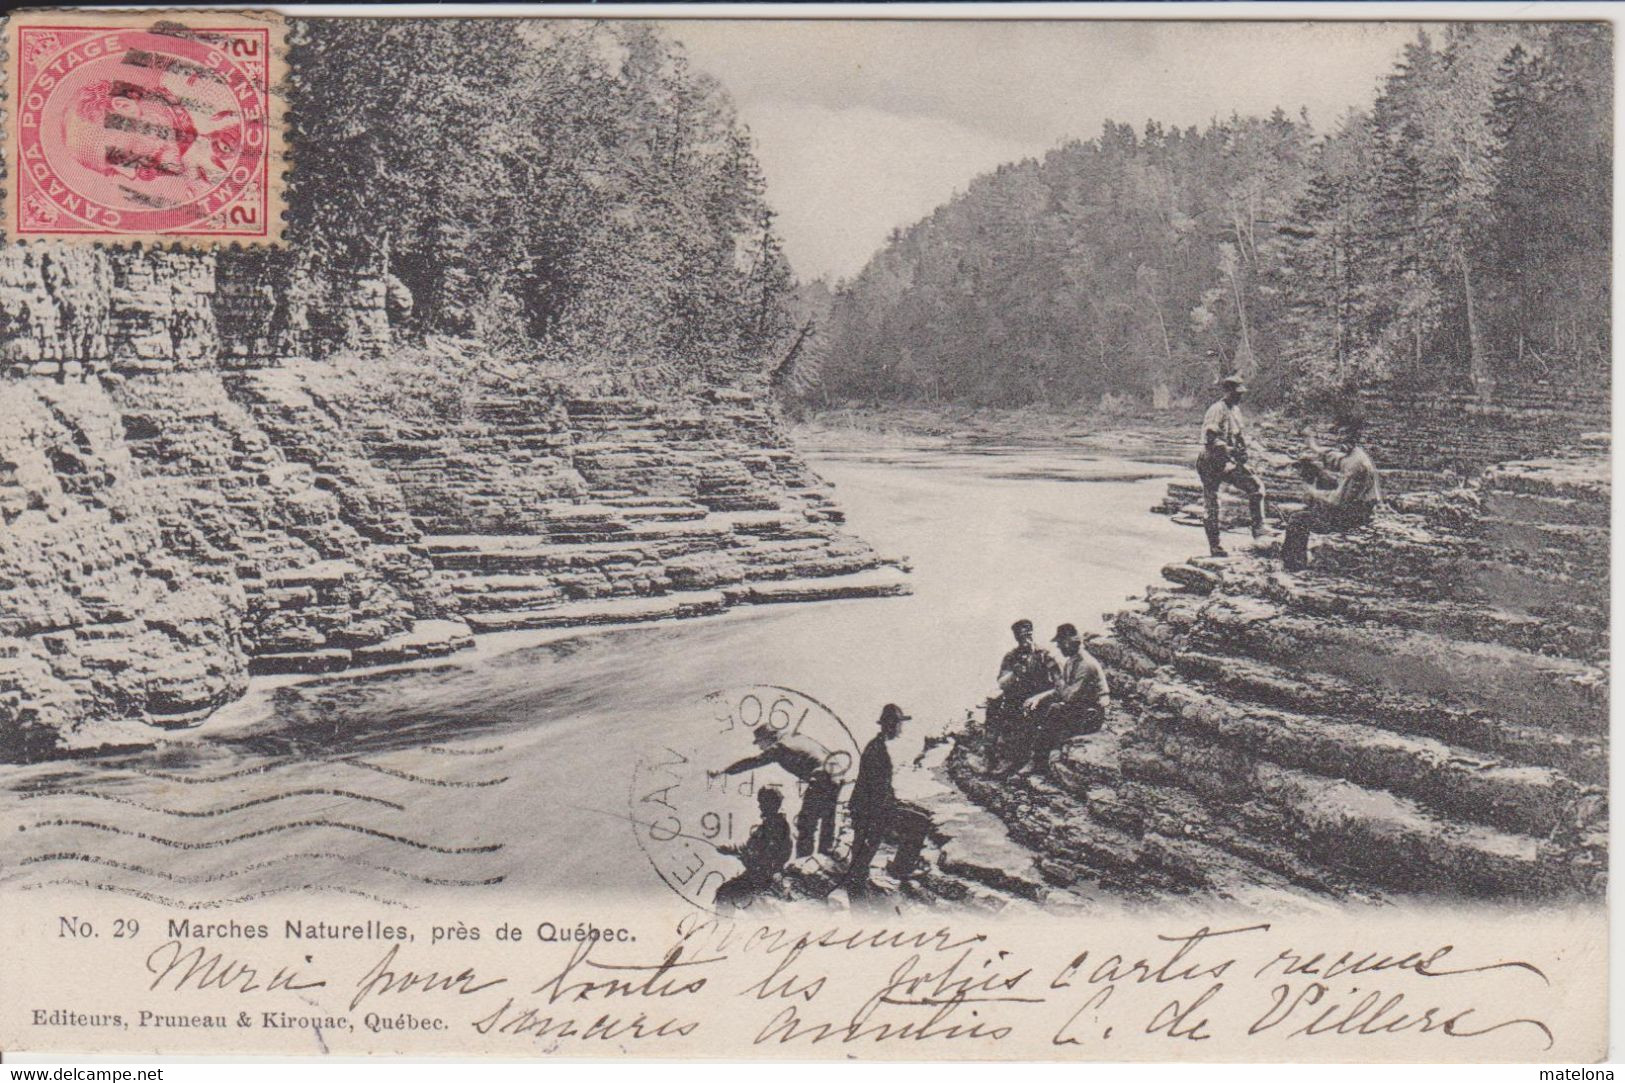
[(862, 127)]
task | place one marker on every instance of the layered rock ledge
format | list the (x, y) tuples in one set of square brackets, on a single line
[(218, 464), (1422, 712)]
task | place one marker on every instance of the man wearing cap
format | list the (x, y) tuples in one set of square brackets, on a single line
[(1024, 672), (1345, 495), (876, 812), (764, 853), (810, 762), (1078, 702), (1223, 461)]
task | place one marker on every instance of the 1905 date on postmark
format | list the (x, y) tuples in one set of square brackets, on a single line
[(156, 126)]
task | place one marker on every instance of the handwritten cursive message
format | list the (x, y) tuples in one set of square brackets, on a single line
[(706, 985)]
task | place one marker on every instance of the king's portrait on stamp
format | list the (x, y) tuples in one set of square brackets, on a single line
[(144, 125), (665, 535)]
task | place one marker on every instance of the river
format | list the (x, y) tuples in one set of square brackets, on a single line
[(506, 769)]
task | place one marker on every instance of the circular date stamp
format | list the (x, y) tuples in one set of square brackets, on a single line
[(139, 125), (696, 799)]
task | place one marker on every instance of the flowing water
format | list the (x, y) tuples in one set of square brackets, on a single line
[(502, 770)]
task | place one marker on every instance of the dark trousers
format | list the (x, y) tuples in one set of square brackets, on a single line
[(904, 823), (1058, 722), (1236, 475), (815, 823), (1318, 518), (1009, 730)]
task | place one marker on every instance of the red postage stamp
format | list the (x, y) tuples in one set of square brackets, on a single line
[(144, 126)]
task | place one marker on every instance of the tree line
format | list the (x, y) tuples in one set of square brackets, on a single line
[(563, 190), (1454, 234)]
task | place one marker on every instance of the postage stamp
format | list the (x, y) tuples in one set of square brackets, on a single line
[(143, 126)]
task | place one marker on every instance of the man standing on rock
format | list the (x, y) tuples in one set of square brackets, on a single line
[(1024, 672), (809, 762), (1223, 461), (877, 814), (1076, 706), (1345, 494)]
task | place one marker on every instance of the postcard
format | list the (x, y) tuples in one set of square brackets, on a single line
[(1071, 538)]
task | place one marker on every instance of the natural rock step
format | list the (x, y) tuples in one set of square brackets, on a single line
[(425, 639), (1483, 622), (329, 660), (1154, 797), (1395, 842), (764, 522), (522, 552), (1579, 545), (602, 611), (1468, 568), (1586, 477), (504, 592), (1585, 759), (878, 583), (1454, 783), (1519, 684), (972, 844), (327, 573), (809, 566), (1051, 823), (1230, 876), (1545, 510)]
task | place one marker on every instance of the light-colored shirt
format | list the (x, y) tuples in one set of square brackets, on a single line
[(1082, 681), (1227, 422), (799, 755), (1356, 478)]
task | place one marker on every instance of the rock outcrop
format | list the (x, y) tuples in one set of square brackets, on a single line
[(105, 616), (203, 476), (1422, 712)]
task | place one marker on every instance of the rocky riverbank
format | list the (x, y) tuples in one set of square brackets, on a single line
[(1421, 713), (183, 504)]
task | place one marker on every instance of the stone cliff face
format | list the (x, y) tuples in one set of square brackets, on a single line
[(201, 479), (1423, 711), (105, 617)]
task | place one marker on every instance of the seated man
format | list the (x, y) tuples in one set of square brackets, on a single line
[(764, 854), (1078, 702), (1345, 494), (1024, 672), (809, 762)]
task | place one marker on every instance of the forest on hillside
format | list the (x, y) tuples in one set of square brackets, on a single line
[(1455, 234), (562, 191)]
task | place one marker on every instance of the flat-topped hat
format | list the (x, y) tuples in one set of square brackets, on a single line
[(892, 713), (1233, 382), (1065, 631), (1022, 625)]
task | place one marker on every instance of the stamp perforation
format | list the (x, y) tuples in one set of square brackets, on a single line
[(155, 128)]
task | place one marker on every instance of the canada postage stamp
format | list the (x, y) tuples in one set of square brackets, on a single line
[(970, 538), (144, 126)]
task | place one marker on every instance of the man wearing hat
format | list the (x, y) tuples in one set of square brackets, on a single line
[(1223, 461), (811, 763), (1345, 494), (764, 853), (1024, 672), (876, 812), (1078, 702)]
